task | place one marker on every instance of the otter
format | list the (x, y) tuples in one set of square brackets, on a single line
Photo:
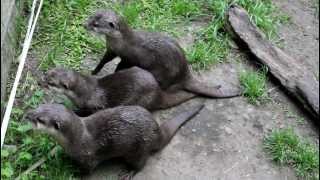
[(133, 86), (126, 132), (152, 51)]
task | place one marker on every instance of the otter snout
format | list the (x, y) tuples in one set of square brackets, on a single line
[(53, 77), (86, 25), (48, 78), (33, 117), (90, 23), (29, 116)]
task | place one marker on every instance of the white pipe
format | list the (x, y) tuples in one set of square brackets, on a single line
[(22, 60)]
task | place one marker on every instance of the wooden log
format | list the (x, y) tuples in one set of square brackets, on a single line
[(298, 81)]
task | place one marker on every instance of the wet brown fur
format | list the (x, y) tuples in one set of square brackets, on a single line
[(154, 52), (132, 86), (127, 132)]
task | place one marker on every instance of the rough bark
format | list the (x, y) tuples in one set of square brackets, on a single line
[(298, 81)]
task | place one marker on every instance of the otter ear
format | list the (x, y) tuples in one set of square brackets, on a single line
[(64, 84)]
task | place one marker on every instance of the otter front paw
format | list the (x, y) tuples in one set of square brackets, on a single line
[(126, 175)]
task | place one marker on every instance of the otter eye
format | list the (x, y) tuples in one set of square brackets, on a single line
[(40, 120), (111, 25), (95, 24), (64, 86), (56, 125)]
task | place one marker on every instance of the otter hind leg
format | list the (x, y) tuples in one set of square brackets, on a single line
[(135, 164), (126, 175), (123, 65)]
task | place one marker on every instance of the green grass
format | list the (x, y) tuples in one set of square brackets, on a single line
[(265, 15), (31, 146), (254, 84), (154, 15), (286, 148), (61, 40), (262, 12), (203, 54)]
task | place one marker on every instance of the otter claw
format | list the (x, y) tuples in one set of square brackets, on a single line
[(125, 175)]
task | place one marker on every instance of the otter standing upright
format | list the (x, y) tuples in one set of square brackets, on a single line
[(127, 132), (154, 52)]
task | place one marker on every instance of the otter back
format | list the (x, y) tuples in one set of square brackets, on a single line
[(154, 52), (133, 86), (127, 132)]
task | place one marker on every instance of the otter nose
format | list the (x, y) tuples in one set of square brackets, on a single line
[(86, 25), (49, 77), (43, 81)]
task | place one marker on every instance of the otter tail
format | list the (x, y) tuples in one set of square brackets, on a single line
[(170, 127), (170, 99), (193, 85)]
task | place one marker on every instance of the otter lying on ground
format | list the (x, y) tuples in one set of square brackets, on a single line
[(154, 52), (127, 132), (133, 86)]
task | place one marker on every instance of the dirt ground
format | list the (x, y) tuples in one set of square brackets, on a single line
[(225, 140)]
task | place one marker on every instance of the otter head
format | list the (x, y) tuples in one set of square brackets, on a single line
[(107, 23), (54, 119), (61, 78)]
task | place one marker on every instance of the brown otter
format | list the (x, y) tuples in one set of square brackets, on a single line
[(133, 86), (126, 132), (154, 52)]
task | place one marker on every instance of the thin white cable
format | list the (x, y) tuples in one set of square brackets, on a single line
[(31, 19), (22, 60)]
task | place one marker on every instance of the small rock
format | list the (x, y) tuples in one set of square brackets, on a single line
[(220, 104), (228, 130)]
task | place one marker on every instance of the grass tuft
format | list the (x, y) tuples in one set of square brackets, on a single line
[(254, 84), (286, 148), (202, 54), (61, 39), (185, 8)]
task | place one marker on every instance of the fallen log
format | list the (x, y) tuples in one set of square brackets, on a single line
[(298, 81)]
